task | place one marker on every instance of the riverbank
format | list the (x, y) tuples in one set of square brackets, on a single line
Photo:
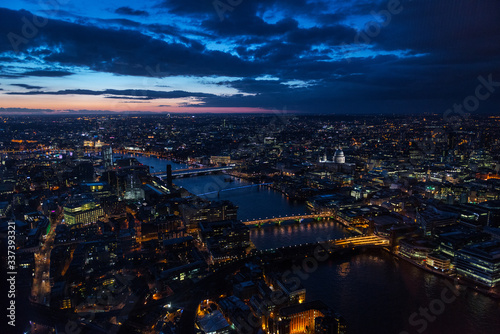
[(493, 293), (270, 186)]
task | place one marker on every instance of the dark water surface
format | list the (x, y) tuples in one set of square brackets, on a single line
[(375, 292)]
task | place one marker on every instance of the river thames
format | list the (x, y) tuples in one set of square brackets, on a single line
[(374, 291)]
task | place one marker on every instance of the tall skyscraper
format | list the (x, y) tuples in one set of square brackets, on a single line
[(107, 156), (452, 141), (169, 176)]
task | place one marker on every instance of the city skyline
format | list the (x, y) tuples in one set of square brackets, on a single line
[(249, 57), (250, 166), (251, 224)]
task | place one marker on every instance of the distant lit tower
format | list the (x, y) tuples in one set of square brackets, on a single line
[(107, 156), (169, 176), (452, 141)]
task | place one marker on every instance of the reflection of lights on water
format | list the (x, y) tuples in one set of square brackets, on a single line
[(344, 269)]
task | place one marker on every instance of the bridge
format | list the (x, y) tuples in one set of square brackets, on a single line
[(326, 247), (193, 171), (280, 219), (294, 252), (235, 188), (361, 240), (332, 245)]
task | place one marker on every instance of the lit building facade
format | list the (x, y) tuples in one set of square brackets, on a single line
[(220, 160), (82, 212), (337, 164), (338, 157), (303, 318), (107, 156), (480, 262)]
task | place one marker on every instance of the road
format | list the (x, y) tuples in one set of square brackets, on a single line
[(40, 291)]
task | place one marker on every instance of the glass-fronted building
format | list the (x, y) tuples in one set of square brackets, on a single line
[(480, 262)]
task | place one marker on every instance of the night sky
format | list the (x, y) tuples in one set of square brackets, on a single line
[(316, 56)]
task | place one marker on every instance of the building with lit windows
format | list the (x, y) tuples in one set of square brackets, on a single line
[(225, 238), (416, 248), (303, 318), (195, 213), (438, 261), (330, 324), (295, 293), (431, 218), (107, 156), (220, 160), (96, 189), (4, 207), (66, 303), (82, 210), (480, 262)]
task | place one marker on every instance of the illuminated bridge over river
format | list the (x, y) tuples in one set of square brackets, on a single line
[(235, 188), (280, 219), (330, 246), (186, 172), (363, 240)]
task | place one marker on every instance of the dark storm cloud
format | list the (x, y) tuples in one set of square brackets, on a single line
[(10, 76), (7, 59), (451, 30), (24, 111), (431, 53), (27, 86), (250, 26), (329, 35), (123, 51), (130, 11), (189, 7), (47, 73), (29, 111), (460, 41), (142, 98), (120, 22), (246, 20), (118, 93)]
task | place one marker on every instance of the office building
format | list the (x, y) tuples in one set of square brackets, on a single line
[(225, 237), (480, 262), (303, 318), (82, 210), (107, 156)]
